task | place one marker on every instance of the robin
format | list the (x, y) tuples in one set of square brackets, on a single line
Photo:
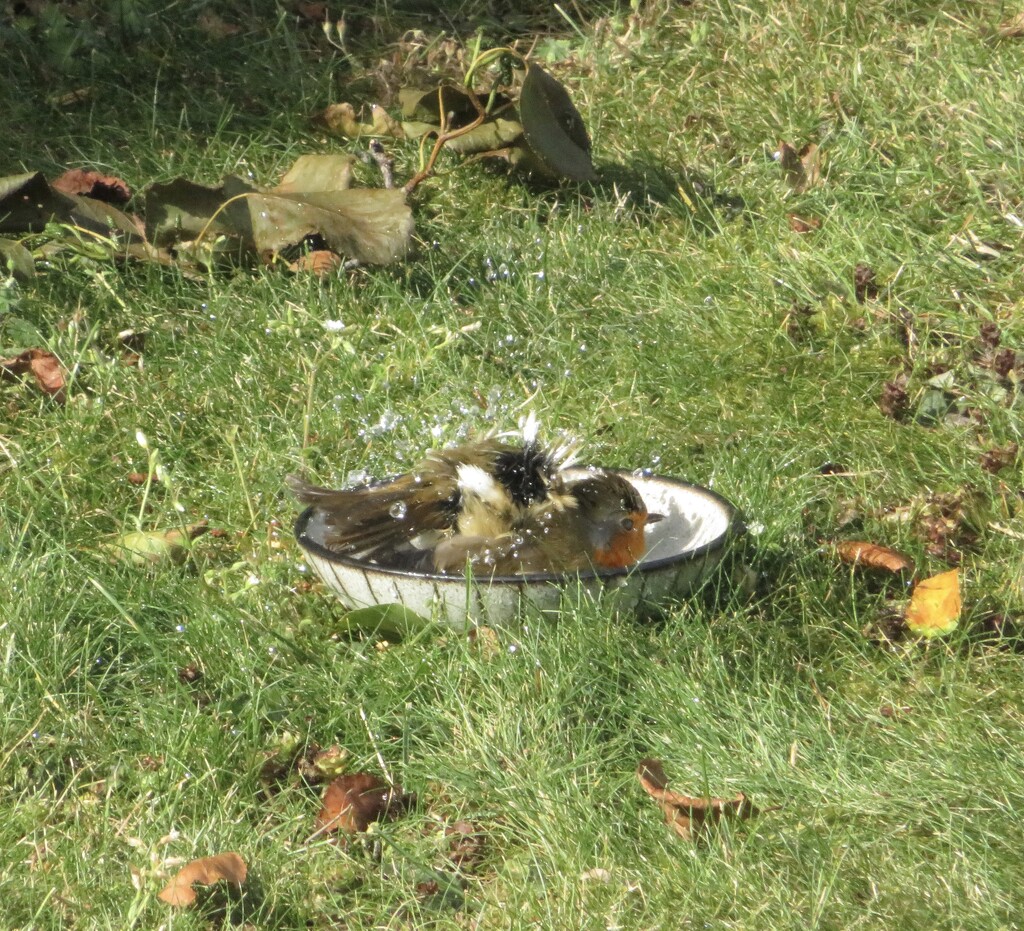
[(502, 508)]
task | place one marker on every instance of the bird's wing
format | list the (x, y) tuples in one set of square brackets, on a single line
[(379, 518)]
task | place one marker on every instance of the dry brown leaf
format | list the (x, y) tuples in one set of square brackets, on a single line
[(42, 365), (484, 641), (687, 815), (152, 547), (935, 604), (802, 168), (466, 844), (315, 10), (205, 871), (999, 457), (1013, 28), (803, 224), (323, 764), (92, 184), (354, 801), (319, 262), (864, 287), (874, 556), (342, 120), (895, 402), (216, 27)]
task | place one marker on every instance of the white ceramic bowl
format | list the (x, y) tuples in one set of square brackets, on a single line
[(681, 550)]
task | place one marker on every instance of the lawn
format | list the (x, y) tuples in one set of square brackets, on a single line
[(837, 348)]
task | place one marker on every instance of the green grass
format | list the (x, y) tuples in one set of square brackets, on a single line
[(659, 336)]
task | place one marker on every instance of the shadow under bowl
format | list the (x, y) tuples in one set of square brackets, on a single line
[(682, 549)]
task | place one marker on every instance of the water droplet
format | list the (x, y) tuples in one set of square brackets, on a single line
[(398, 510), (356, 477), (180, 628)]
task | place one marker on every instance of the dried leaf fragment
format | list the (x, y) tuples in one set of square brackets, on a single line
[(999, 457), (895, 402), (874, 556), (864, 287), (354, 801), (149, 547), (1013, 28), (935, 604), (465, 844), (92, 184), (800, 224), (42, 365), (687, 815), (206, 871), (320, 262), (802, 168), (216, 27)]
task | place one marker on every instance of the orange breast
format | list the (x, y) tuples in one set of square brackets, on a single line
[(625, 548)]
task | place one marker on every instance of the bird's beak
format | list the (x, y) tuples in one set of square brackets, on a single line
[(653, 519)]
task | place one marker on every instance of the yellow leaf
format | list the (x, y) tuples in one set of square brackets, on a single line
[(934, 607)]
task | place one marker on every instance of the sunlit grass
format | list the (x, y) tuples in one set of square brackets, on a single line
[(140, 707)]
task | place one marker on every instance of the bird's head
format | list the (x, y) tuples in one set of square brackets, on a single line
[(613, 518)]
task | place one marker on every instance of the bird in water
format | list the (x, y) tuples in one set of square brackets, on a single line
[(502, 508)]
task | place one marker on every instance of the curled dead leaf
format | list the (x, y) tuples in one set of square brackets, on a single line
[(92, 184), (895, 401), (206, 871), (553, 127), (687, 815), (803, 224), (216, 27), (1013, 28), (484, 641), (935, 605), (42, 365), (874, 556), (319, 262), (465, 844), (999, 457), (864, 286), (354, 801), (341, 119), (802, 168), (149, 547)]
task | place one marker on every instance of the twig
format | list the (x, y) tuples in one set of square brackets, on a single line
[(444, 137), (384, 163)]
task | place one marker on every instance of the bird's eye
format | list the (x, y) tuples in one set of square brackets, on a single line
[(626, 523)]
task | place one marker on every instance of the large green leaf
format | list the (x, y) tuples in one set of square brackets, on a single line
[(553, 127), (373, 226), (332, 172), (181, 209), (493, 134)]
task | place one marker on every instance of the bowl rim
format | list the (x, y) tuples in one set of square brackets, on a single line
[(734, 525)]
